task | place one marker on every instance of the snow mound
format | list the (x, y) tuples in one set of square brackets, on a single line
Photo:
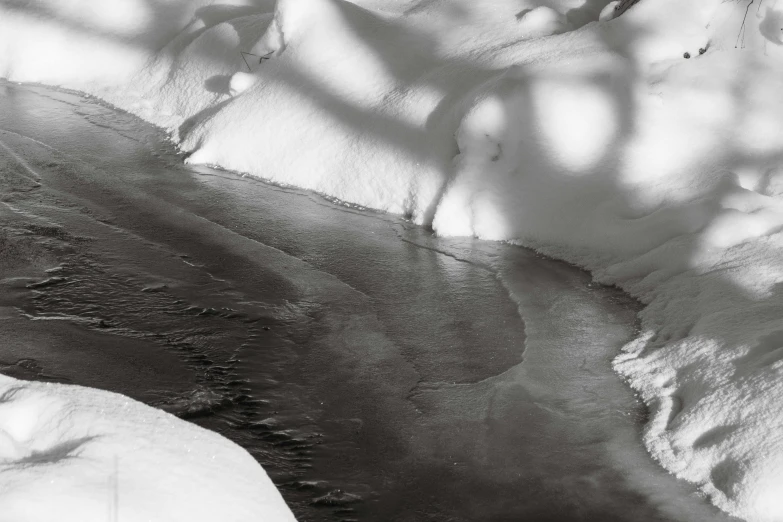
[(73, 453), (639, 139), (542, 21)]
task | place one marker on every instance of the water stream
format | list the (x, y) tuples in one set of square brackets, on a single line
[(375, 371)]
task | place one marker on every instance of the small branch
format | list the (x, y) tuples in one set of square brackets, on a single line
[(114, 493), (742, 27), (243, 53), (623, 6), (267, 56)]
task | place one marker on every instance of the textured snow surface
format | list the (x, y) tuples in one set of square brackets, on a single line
[(597, 142), (73, 453)]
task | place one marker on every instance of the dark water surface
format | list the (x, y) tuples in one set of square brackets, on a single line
[(376, 372)]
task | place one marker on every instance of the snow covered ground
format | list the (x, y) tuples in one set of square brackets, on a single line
[(74, 453), (645, 147)]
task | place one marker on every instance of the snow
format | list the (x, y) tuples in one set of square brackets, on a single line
[(645, 147), (74, 453), (542, 21)]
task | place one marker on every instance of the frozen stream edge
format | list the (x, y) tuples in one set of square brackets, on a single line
[(573, 330)]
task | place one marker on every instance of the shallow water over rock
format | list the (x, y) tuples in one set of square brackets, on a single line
[(375, 371)]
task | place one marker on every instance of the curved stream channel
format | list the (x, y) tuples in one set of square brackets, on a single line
[(375, 371)]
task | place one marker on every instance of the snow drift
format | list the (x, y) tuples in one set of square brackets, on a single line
[(645, 147), (74, 453)]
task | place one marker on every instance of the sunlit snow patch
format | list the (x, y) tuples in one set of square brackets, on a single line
[(542, 21), (240, 82)]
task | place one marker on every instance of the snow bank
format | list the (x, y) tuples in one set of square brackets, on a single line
[(73, 453), (645, 147)]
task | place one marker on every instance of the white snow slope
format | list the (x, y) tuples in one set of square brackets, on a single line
[(70, 453), (521, 120)]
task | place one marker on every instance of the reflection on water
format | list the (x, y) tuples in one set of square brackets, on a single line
[(377, 372)]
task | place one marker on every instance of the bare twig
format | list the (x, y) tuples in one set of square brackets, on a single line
[(260, 58), (742, 27), (114, 493), (243, 53)]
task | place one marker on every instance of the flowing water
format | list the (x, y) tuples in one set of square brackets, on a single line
[(375, 371)]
